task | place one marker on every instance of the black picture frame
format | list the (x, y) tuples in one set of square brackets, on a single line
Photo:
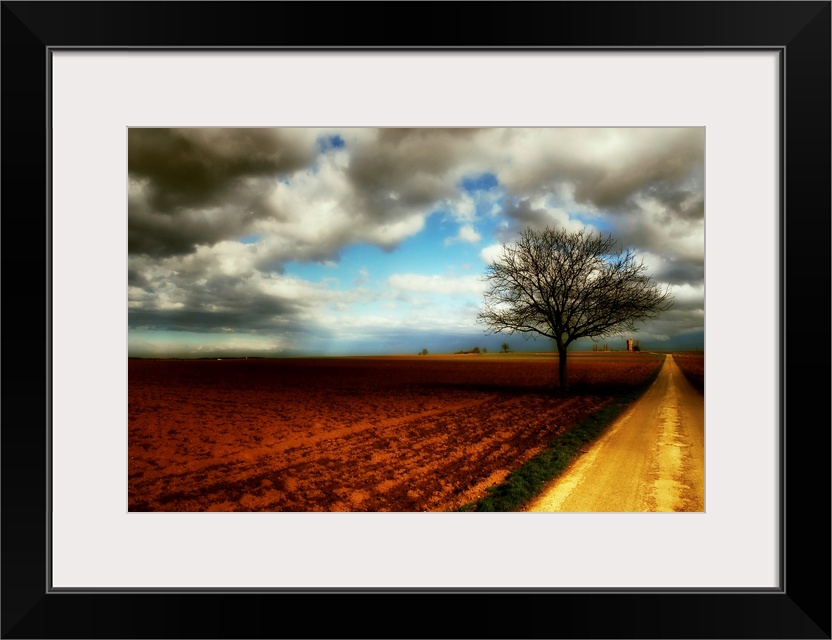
[(799, 31)]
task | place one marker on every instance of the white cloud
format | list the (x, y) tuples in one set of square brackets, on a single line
[(490, 253), (241, 343), (689, 295), (464, 209), (446, 285), (466, 233)]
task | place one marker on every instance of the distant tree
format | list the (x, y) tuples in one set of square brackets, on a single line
[(475, 350), (423, 352), (567, 285), (485, 349), (505, 347)]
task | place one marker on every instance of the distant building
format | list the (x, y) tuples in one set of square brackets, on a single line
[(629, 345)]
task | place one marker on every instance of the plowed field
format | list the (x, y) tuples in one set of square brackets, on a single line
[(692, 364), (420, 433)]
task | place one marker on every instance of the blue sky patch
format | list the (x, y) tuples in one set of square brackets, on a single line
[(328, 143), (483, 182)]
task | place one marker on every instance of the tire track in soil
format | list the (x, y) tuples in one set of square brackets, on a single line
[(249, 454), (267, 477), (241, 461)]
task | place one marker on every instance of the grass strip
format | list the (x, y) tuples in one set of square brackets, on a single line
[(526, 483)]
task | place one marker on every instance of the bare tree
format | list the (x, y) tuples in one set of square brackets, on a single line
[(568, 285)]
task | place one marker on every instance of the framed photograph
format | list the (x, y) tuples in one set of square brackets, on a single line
[(272, 365), (142, 144)]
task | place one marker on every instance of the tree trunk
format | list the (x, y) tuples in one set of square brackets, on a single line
[(562, 367)]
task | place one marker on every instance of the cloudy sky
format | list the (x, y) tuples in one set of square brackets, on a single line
[(369, 241)]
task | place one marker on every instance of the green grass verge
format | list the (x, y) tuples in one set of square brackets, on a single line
[(527, 482)]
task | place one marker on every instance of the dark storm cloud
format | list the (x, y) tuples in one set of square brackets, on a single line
[(681, 307), (219, 306), (135, 278), (675, 322), (687, 204), (192, 186), (274, 262), (226, 293), (681, 272), (612, 170), (676, 252), (203, 321), (408, 167), (653, 170), (193, 167), (521, 211), (165, 234)]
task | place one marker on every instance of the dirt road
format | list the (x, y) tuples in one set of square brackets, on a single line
[(651, 459)]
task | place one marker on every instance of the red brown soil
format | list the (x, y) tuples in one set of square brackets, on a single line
[(426, 433), (692, 365)]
